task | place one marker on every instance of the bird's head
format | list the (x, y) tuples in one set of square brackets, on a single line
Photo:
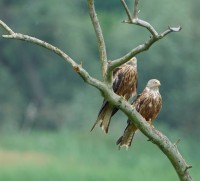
[(153, 83), (132, 61)]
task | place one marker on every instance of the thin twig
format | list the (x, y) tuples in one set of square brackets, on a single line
[(115, 63), (76, 67), (146, 25), (188, 167), (44, 44), (177, 142), (127, 11), (100, 38), (6, 28), (169, 30), (155, 36), (136, 9)]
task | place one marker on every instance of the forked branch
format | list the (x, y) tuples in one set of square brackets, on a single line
[(100, 38), (155, 36), (127, 10), (168, 148)]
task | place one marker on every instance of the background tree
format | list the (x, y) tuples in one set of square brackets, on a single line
[(47, 20)]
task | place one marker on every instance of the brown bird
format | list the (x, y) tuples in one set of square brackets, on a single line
[(148, 104), (124, 84)]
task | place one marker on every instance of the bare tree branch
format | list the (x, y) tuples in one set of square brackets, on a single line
[(135, 10), (100, 38), (127, 10), (135, 20), (169, 30), (146, 25), (168, 148), (76, 67), (155, 36), (9, 31), (115, 63)]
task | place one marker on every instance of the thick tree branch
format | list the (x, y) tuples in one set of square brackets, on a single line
[(168, 148), (100, 38)]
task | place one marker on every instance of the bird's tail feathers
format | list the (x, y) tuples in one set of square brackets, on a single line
[(126, 139), (104, 118), (95, 124)]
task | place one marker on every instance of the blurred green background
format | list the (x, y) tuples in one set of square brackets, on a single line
[(46, 110)]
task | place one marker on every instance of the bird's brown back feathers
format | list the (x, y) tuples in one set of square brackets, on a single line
[(124, 84), (148, 104)]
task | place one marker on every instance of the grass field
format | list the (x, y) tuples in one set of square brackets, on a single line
[(72, 155)]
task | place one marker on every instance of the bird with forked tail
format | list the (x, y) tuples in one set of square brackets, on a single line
[(124, 84), (148, 104)]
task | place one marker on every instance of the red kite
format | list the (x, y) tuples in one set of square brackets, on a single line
[(148, 104), (124, 84)]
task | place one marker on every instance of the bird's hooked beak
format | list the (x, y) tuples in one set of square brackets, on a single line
[(133, 61), (159, 84)]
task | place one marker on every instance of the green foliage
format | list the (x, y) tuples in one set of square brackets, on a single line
[(81, 155), (30, 75)]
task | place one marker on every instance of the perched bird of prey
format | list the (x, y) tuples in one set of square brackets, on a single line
[(148, 104), (124, 84)]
